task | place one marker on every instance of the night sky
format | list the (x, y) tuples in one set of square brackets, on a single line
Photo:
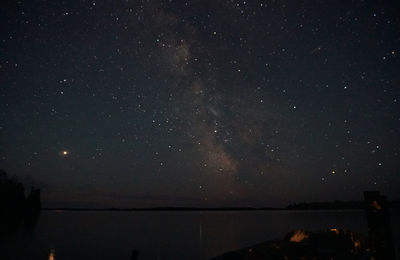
[(200, 103)]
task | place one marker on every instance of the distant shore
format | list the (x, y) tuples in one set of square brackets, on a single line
[(337, 205), (163, 209)]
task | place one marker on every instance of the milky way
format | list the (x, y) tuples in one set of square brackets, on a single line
[(200, 103)]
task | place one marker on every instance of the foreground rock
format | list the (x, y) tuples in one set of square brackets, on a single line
[(331, 244)]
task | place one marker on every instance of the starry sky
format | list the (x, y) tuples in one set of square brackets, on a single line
[(142, 103)]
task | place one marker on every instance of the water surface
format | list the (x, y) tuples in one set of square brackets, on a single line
[(166, 234)]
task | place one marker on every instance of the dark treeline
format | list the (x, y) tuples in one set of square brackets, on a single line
[(166, 209), (328, 205), (335, 205), (17, 206)]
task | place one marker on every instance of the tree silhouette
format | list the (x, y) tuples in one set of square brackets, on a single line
[(14, 206)]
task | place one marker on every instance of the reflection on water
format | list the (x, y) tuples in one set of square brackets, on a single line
[(169, 235), (52, 255)]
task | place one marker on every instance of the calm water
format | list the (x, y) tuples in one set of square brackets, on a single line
[(167, 235)]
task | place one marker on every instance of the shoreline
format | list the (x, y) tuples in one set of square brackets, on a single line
[(199, 209)]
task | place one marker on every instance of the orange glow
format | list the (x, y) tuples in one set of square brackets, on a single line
[(334, 230), (52, 255), (357, 244), (376, 205), (298, 236)]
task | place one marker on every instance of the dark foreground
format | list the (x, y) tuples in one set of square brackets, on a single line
[(335, 243), (332, 244)]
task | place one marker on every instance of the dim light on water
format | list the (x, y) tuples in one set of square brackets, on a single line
[(52, 255)]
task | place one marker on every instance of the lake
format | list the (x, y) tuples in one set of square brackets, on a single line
[(167, 234)]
